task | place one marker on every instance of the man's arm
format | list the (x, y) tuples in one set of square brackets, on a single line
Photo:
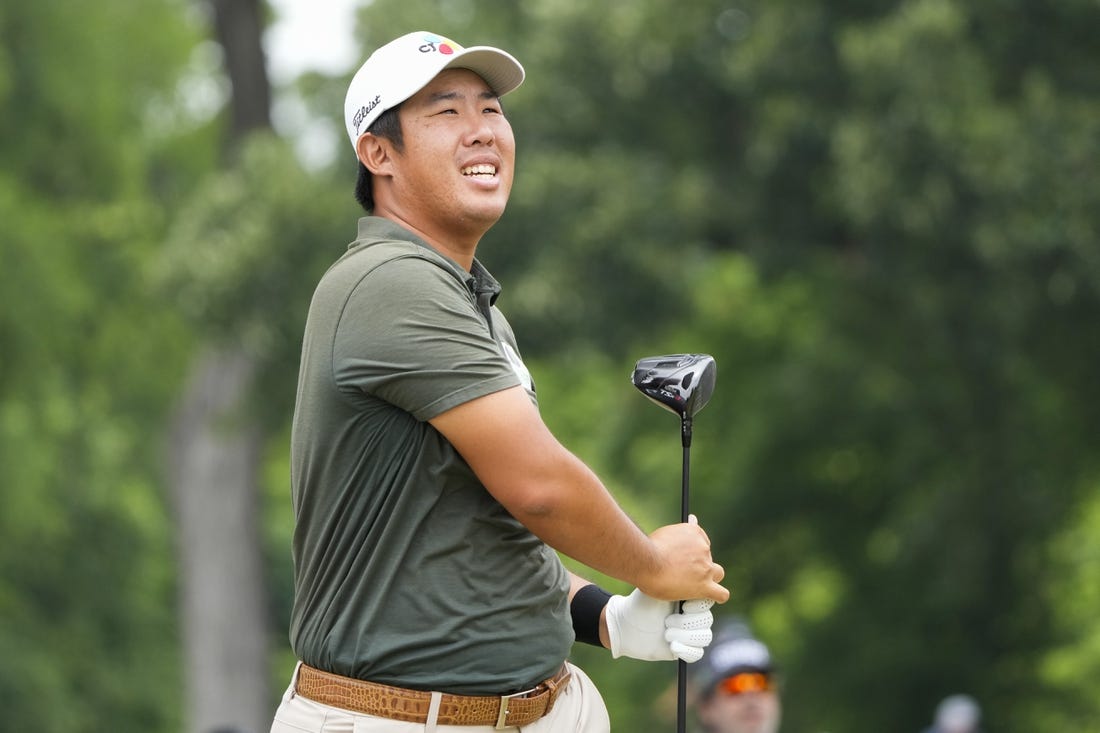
[(555, 495)]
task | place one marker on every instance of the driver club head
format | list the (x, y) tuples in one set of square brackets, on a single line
[(680, 383)]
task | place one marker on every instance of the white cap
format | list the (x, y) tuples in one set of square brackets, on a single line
[(958, 713), (404, 66)]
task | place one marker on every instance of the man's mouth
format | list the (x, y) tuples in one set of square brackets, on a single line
[(481, 170)]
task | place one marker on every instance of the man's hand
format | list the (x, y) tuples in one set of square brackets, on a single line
[(687, 569), (641, 627)]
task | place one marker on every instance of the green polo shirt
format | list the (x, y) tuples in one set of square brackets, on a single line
[(407, 571)]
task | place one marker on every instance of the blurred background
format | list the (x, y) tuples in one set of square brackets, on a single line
[(880, 218)]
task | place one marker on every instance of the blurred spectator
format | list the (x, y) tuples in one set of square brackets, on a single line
[(736, 685), (957, 714)]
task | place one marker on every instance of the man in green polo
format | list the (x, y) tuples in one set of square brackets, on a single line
[(430, 498)]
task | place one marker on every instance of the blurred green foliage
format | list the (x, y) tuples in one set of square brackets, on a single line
[(89, 358), (880, 218)]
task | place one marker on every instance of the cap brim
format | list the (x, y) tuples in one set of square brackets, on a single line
[(500, 70)]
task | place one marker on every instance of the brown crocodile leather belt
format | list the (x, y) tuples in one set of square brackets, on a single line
[(397, 703)]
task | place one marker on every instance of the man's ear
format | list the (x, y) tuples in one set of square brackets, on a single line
[(374, 153)]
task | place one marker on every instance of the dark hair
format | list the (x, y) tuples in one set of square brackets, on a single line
[(388, 126)]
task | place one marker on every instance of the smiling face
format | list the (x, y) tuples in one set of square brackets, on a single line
[(451, 179)]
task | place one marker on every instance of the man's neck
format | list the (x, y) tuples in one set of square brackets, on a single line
[(450, 241)]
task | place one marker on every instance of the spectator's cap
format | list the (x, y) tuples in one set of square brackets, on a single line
[(958, 713), (734, 650), (404, 66)]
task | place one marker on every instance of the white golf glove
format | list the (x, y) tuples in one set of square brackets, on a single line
[(641, 627)]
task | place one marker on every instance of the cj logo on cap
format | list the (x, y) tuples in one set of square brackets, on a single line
[(439, 44)]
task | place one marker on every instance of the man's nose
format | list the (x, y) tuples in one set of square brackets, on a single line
[(480, 132)]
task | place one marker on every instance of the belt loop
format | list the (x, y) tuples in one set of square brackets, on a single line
[(553, 684), (433, 712), (292, 690)]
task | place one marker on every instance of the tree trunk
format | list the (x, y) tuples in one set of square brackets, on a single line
[(215, 458), (238, 26)]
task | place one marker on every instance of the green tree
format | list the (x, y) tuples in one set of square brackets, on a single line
[(87, 361)]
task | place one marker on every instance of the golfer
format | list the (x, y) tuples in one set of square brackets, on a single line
[(429, 496)]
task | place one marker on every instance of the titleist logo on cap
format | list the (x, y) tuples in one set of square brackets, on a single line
[(365, 110)]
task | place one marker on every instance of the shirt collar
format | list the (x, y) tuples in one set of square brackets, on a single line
[(479, 280)]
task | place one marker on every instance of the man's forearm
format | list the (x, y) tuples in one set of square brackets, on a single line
[(571, 511), (556, 496)]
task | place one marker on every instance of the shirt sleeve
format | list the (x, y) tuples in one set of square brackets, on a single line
[(411, 334)]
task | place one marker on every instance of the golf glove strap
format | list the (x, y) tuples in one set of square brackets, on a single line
[(641, 627)]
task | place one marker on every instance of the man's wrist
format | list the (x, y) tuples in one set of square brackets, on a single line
[(586, 610)]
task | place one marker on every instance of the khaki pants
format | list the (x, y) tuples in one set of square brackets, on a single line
[(579, 708)]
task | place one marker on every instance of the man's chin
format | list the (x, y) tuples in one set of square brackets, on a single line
[(485, 215)]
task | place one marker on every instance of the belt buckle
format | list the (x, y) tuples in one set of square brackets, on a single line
[(502, 714)]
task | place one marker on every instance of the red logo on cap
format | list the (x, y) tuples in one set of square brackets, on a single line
[(436, 43)]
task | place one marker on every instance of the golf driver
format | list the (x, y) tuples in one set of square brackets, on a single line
[(682, 384)]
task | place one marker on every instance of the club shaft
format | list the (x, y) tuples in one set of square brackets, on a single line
[(681, 697), (685, 503), (685, 510)]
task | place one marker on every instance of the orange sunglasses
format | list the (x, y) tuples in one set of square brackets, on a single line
[(746, 682)]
